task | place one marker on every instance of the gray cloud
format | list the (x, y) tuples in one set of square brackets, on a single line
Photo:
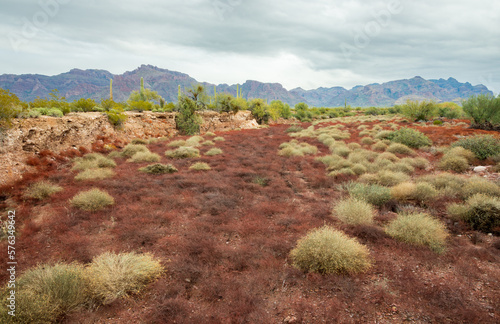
[(297, 43)]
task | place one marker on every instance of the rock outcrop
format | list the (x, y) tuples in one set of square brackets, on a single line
[(30, 136)]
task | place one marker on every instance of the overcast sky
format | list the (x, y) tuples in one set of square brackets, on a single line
[(297, 43)]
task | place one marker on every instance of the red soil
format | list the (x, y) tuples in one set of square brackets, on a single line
[(224, 236)]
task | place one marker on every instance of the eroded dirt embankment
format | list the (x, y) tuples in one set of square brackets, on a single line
[(28, 137)]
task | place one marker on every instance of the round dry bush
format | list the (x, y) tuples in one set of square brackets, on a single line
[(41, 190), (477, 185), (403, 191), (95, 174), (354, 146), (159, 168), (211, 134), (379, 146), (326, 250), (419, 162), (354, 211), (47, 292), (446, 183), (219, 139), (387, 156), (92, 200), (419, 229), (144, 157), (343, 171), (329, 160), (200, 166), (183, 152), (400, 149), (342, 151), (214, 151), (113, 276), (131, 149), (177, 143), (139, 141), (454, 163), (390, 178)]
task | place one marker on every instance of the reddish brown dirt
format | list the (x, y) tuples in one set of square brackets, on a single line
[(224, 237)]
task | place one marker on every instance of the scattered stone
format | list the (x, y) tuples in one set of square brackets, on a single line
[(480, 169)]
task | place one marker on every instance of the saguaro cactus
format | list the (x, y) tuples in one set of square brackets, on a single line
[(237, 90), (179, 93), (111, 89)]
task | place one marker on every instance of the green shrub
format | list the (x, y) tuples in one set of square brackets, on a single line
[(415, 110), (354, 211), (484, 109), (326, 250), (373, 194), (200, 166), (92, 200), (419, 229), (116, 116), (454, 163), (114, 276), (483, 146), (159, 169), (41, 190), (437, 122), (95, 174), (183, 152), (187, 122), (400, 148), (144, 157), (482, 212), (45, 293), (409, 137)]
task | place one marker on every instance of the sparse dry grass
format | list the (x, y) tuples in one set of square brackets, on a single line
[(92, 200), (354, 211), (41, 190)]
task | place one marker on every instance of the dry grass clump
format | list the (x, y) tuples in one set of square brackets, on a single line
[(214, 151), (294, 148), (400, 149), (329, 160), (177, 143), (390, 178), (95, 174), (200, 166), (343, 171), (477, 185), (208, 143), (401, 167), (418, 162), (403, 191), (92, 200), (354, 211), (45, 293), (421, 192), (454, 163), (418, 229), (341, 150), (113, 276), (326, 250), (481, 211), (425, 192), (183, 152), (139, 141), (447, 184), (218, 139), (92, 161), (194, 141), (41, 190), (144, 157), (373, 194), (132, 149), (379, 146), (211, 134), (460, 151), (354, 146), (360, 156), (159, 168), (385, 134), (359, 169), (367, 140), (387, 156)]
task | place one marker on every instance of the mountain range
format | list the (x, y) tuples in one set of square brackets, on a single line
[(94, 84)]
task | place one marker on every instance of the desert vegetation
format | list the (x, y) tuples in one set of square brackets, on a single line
[(344, 216)]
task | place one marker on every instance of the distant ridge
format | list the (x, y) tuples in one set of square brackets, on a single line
[(95, 84)]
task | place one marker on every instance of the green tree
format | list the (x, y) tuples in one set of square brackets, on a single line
[(484, 109), (84, 105), (259, 109), (415, 110), (187, 121), (302, 112), (144, 99), (10, 105)]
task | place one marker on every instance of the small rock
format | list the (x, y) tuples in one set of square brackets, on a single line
[(480, 169), (290, 319)]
